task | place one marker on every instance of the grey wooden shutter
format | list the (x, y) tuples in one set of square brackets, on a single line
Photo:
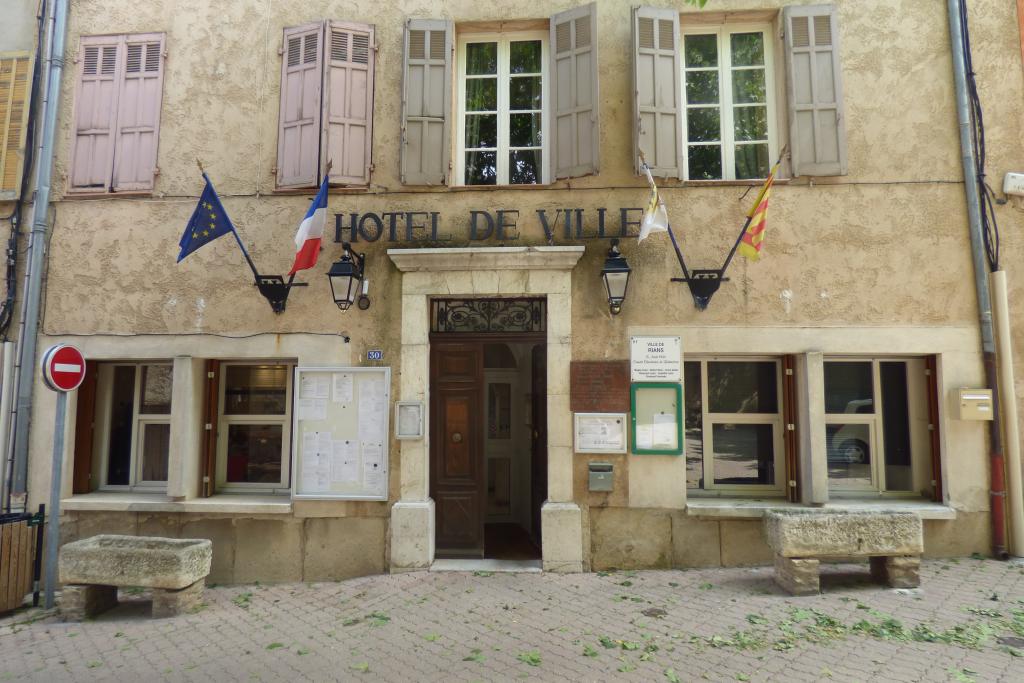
[(298, 135), (426, 102), (657, 91), (817, 122), (575, 138), (347, 134)]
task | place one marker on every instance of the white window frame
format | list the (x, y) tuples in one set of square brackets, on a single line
[(283, 486), (709, 419), (503, 39), (725, 99), (104, 396), (876, 425)]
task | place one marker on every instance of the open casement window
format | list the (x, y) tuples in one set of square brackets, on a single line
[(657, 91), (877, 427), (501, 105), (132, 428), (734, 426), (15, 96), (117, 113), (817, 122), (327, 71), (426, 94), (254, 427), (575, 131)]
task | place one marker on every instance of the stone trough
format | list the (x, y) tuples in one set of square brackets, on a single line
[(92, 569), (893, 542)]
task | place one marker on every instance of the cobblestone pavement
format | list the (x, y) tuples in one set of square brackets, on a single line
[(716, 624)]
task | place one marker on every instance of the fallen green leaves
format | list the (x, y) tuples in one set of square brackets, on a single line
[(532, 658)]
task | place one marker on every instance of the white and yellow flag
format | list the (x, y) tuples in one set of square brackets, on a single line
[(655, 216)]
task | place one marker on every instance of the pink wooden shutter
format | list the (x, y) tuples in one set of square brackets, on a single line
[(138, 112), (96, 94), (298, 137), (348, 102)]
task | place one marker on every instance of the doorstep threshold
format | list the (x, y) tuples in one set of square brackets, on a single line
[(473, 565)]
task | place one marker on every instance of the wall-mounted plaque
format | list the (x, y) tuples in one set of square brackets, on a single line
[(409, 420), (599, 386), (654, 359), (600, 432)]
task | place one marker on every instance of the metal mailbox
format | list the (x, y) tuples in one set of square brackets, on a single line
[(975, 404), (602, 476)]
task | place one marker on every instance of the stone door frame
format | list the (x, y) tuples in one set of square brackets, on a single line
[(483, 272)]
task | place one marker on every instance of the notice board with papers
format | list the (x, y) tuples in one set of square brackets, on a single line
[(340, 433)]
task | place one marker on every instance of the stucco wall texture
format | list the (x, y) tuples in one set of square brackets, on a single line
[(886, 245)]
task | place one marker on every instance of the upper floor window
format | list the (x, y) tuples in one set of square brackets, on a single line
[(117, 113), (327, 71), (15, 93), (502, 108)]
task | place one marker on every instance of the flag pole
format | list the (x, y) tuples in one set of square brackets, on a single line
[(746, 224), (675, 245), (245, 252)]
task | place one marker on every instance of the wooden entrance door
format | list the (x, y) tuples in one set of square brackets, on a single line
[(539, 443), (456, 444)]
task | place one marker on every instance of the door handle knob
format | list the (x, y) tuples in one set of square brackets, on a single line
[(456, 437)]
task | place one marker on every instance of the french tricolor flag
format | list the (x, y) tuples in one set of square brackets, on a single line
[(311, 232)]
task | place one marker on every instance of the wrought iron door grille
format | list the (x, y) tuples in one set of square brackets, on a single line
[(488, 315)]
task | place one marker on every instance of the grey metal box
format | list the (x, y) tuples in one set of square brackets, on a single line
[(602, 476)]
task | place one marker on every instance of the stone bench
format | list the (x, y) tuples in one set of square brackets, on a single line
[(893, 542), (92, 569)]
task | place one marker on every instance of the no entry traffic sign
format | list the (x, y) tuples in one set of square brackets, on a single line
[(63, 367)]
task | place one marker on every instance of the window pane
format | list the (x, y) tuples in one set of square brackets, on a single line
[(499, 411), (849, 454), (156, 390), (701, 50), (524, 92), (752, 161), (524, 57), (481, 58), (896, 426), (481, 94), (524, 167), (254, 453), (701, 87), (255, 390), (705, 162), (524, 130), (481, 168), (122, 415), (744, 454), (693, 425), (482, 130), (703, 125), (750, 123), (848, 387), (748, 86), (742, 387), (747, 49), (156, 445)]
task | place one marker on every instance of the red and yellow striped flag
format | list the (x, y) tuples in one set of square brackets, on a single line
[(753, 236)]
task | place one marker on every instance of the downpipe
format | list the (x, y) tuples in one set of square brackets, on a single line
[(997, 487)]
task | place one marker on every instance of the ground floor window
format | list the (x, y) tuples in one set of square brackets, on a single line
[(254, 435), (877, 425), (133, 420), (734, 425)]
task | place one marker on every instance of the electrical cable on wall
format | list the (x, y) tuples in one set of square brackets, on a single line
[(990, 230)]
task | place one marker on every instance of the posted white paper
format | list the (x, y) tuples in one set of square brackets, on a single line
[(342, 387), (644, 436), (665, 431), (315, 386), (344, 462), (312, 408), (372, 410)]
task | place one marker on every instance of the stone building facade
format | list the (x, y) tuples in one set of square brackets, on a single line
[(485, 152)]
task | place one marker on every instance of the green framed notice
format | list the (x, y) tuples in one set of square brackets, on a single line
[(657, 417)]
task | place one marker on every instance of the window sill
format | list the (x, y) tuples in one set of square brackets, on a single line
[(331, 189), (83, 194), (737, 508), (156, 502)]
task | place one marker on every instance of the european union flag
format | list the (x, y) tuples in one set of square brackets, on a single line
[(209, 221)]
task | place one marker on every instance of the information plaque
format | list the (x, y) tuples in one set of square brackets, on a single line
[(600, 432), (655, 359)]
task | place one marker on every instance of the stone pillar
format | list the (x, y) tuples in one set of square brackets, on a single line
[(898, 572), (171, 603), (561, 527), (813, 446), (187, 427), (797, 576), (81, 601)]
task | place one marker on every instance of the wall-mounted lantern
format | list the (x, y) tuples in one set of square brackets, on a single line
[(616, 277), (347, 282)]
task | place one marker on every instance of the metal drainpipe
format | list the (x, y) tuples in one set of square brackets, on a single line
[(997, 489), (37, 245)]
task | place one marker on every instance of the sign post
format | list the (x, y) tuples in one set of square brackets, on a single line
[(63, 369)]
